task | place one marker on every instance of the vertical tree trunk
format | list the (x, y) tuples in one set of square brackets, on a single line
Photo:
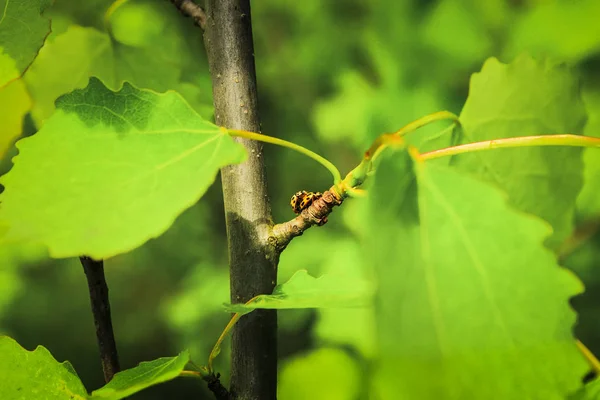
[(252, 261)]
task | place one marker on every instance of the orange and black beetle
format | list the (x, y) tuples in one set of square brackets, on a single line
[(303, 199)]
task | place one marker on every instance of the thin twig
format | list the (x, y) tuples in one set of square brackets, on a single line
[(214, 383), (191, 9), (215, 386), (94, 272)]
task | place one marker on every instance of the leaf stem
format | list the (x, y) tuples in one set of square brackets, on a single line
[(523, 141), (337, 177), (387, 139), (217, 347), (427, 119), (191, 374), (589, 356), (110, 11)]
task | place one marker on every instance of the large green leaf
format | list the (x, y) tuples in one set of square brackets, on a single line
[(147, 374), (305, 291), (146, 47), (22, 33), (470, 303), (14, 104), (66, 63), (519, 99), (111, 170), (36, 374), (348, 326)]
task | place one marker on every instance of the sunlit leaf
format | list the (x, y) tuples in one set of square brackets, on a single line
[(22, 33), (305, 291), (14, 104), (146, 47), (111, 170), (66, 63), (128, 382), (520, 99), (36, 374), (455, 267)]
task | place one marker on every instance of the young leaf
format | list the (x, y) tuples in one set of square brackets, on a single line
[(110, 170), (22, 33), (470, 303), (128, 382), (36, 374), (519, 99), (305, 291)]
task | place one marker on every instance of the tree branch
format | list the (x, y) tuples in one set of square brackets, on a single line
[(316, 214), (191, 9), (215, 386), (94, 272), (252, 258)]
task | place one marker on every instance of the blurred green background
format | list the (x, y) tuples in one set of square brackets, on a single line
[(332, 76)]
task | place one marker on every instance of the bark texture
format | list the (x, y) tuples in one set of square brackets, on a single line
[(252, 260)]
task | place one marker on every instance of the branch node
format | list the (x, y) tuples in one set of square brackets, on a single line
[(215, 386), (191, 9), (315, 214)]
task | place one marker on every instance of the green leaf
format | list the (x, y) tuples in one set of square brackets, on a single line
[(66, 63), (146, 47), (29, 374), (467, 294), (591, 391), (325, 373), (344, 326), (110, 170), (520, 99), (305, 291), (567, 30), (36, 374), (128, 382), (360, 111), (22, 33), (456, 33), (14, 104), (588, 201)]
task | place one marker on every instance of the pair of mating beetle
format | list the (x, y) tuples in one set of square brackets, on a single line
[(303, 199)]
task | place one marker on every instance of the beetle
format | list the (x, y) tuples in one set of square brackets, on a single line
[(302, 200)]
